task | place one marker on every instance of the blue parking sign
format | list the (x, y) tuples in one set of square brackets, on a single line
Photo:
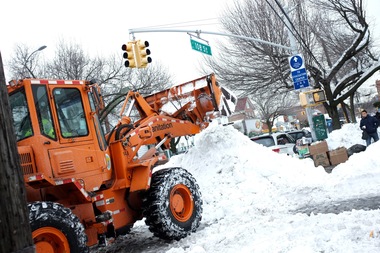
[(298, 71)]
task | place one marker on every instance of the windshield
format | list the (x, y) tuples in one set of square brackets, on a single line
[(20, 114), (70, 112)]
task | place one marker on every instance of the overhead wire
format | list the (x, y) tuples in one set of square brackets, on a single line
[(181, 24), (303, 43), (292, 29)]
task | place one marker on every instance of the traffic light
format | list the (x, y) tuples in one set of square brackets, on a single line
[(303, 99), (312, 98), (129, 55), (319, 96), (142, 52)]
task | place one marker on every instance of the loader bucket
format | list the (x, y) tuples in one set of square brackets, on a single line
[(200, 100)]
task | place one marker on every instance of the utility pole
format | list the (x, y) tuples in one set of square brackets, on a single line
[(293, 45), (15, 232)]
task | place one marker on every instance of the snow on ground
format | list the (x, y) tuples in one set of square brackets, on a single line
[(251, 196)]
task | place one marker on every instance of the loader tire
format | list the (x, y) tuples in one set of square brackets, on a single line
[(173, 204), (56, 229)]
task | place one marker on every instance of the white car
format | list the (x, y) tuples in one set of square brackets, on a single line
[(281, 143)]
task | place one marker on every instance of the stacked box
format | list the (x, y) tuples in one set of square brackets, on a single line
[(318, 148), (321, 159), (318, 151), (338, 156)]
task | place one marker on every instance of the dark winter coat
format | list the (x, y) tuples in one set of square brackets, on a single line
[(377, 116), (370, 124)]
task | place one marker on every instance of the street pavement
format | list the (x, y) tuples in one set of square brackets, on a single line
[(363, 203)]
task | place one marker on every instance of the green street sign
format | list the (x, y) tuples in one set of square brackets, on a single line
[(203, 48)]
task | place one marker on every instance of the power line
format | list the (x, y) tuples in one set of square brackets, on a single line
[(297, 35), (278, 15), (178, 24), (175, 26)]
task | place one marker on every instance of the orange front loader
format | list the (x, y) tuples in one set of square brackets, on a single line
[(84, 186)]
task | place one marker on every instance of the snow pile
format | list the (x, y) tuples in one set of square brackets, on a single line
[(359, 175), (230, 168), (251, 193), (349, 135)]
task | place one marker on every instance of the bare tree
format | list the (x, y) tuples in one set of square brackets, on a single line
[(270, 106), (333, 36), (247, 66), (72, 63), (25, 62), (347, 52)]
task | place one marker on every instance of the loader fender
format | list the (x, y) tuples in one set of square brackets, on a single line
[(173, 204)]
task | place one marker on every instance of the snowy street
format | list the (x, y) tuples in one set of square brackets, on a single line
[(255, 200)]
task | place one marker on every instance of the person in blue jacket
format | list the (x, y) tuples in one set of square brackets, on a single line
[(369, 125)]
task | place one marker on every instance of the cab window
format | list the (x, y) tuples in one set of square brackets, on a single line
[(99, 129), (70, 112), (20, 114), (43, 110)]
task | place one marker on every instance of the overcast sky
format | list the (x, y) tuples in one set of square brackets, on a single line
[(101, 27)]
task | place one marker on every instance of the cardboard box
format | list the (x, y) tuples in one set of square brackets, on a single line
[(321, 159), (338, 156), (318, 148)]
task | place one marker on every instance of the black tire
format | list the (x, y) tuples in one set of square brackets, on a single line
[(54, 217), (162, 213), (295, 149)]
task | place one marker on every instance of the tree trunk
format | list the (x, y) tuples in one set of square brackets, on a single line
[(333, 112), (270, 125), (15, 232), (352, 109), (344, 109), (173, 145)]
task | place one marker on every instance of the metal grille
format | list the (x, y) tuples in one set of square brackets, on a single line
[(66, 166), (26, 163)]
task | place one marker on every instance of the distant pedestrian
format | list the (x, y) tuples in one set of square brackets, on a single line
[(377, 116), (369, 125)]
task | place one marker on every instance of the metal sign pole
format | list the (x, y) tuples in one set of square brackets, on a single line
[(308, 110)]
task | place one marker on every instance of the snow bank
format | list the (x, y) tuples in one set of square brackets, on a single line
[(251, 193), (349, 135), (237, 175)]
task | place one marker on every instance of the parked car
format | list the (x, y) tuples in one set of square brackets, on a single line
[(282, 143), (298, 134)]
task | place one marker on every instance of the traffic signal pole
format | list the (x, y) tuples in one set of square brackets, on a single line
[(198, 32), (292, 48)]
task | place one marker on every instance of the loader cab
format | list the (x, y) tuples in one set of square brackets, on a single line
[(58, 122), (35, 115)]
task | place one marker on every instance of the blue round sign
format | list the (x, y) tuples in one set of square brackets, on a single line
[(296, 62)]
